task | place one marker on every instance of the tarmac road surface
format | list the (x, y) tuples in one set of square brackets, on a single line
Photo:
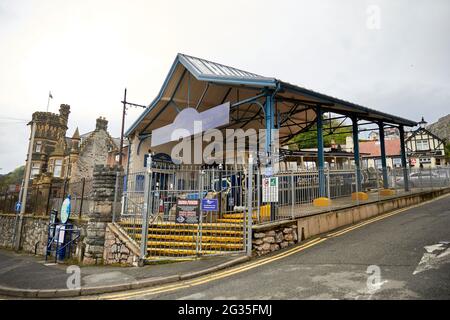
[(400, 256)]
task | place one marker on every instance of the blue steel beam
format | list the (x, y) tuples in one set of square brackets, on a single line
[(320, 152), (403, 157), (383, 155), (167, 103)]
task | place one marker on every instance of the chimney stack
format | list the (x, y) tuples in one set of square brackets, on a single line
[(101, 124), (64, 111)]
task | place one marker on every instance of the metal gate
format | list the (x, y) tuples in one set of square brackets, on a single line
[(187, 211)]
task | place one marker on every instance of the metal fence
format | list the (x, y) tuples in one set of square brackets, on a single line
[(168, 199), (43, 198), (297, 189), (151, 209)]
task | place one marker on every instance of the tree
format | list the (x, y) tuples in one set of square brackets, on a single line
[(447, 152), (308, 139), (14, 177)]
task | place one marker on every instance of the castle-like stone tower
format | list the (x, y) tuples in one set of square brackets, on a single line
[(51, 128), (57, 156)]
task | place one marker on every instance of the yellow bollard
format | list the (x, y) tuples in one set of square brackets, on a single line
[(387, 192), (322, 202), (360, 196)]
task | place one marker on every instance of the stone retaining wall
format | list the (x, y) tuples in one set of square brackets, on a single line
[(7, 230), (93, 230), (277, 235), (275, 239), (103, 191), (119, 248), (34, 232)]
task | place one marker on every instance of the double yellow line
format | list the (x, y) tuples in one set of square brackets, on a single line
[(214, 276), (226, 273)]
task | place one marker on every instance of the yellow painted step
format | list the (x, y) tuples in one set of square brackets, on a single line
[(192, 244), (236, 222), (181, 252), (137, 231), (171, 237), (214, 225), (237, 216)]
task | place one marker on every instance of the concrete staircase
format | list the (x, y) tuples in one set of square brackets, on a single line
[(175, 240), (169, 239)]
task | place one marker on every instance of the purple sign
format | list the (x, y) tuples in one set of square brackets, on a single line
[(210, 205)]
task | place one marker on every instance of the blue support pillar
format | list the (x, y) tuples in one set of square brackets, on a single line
[(383, 155), (320, 153), (356, 153), (269, 118), (403, 157)]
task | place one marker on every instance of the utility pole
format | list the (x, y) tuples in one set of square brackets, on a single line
[(24, 190), (123, 126), (125, 104)]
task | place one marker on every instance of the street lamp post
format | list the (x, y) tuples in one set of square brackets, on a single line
[(24, 189)]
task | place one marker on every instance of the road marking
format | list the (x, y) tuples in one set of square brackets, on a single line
[(257, 263), (215, 276), (431, 260)]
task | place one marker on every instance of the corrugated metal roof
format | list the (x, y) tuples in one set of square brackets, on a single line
[(353, 106), (204, 70), (208, 70)]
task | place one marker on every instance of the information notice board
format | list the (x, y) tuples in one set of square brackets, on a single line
[(270, 189), (188, 211)]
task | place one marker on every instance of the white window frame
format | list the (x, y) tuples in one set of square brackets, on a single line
[(35, 168), (57, 169), (422, 145), (38, 146)]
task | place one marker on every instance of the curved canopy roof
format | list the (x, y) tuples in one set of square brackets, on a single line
[(201, 84)]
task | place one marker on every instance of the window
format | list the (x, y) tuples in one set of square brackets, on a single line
[(397, 162), (50, 165), (378, 164), (422, 145), (35, 168), (425, 160), (57, 170), (38, 146), (140, 182)]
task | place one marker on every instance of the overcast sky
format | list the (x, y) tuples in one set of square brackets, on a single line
[(86, 52)]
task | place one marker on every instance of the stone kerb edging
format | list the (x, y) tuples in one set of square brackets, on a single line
[(138, 284)]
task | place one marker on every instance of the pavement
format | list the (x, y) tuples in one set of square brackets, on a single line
[(403, 255), (26, 275)]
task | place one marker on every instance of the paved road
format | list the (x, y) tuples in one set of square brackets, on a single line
[(337, 268)]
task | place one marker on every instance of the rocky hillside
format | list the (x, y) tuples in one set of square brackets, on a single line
[(441, 128)]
